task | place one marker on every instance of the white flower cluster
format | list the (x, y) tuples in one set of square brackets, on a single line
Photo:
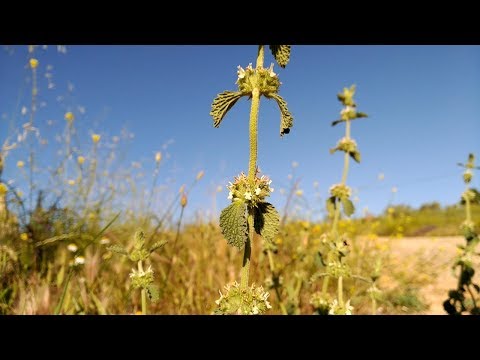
[(340, 191), (254, 192), (336, 309)]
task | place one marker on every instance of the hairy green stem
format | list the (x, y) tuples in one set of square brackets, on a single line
[(32, 116), (468, 212), (336, 217), (144, 292), (247, 254), (252, 168), (340, 291)]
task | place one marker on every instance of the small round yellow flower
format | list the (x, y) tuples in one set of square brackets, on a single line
[(33, 63), (299, 192), (24, 236), (95, 138), (183, 200), (69, 116), (200, 175), (80, 160), (3, 189), (71, 182), (20, 164), (158, 157)]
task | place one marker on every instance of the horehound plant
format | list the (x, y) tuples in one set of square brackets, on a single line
[(457, 303), (141, 278), (249, 213), (335, 245)]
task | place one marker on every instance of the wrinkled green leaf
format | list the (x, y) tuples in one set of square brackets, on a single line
[(456, 295), (449, 308), (331, 205), (233, 223), (222, 103), (466, 275), (153, 292), (157, 245), (281, 53), (266, 221), (117, 249), (356, 156), (348, 207), (360, 115), (337, 122), (286, 120)]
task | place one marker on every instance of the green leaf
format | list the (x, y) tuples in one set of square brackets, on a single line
[(281, 53), (117, 249), (286, 120), (346, 97), (355, 156), (331, 205), (466, 275), (449, 308), (266, 221), (348, 207), (222, 103), (153, 292), (233, 222), (337, 122), (359, 115), (157, 245), (471, 160), (139, 239)]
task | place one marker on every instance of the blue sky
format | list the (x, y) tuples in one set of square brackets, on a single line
[(422, 101)]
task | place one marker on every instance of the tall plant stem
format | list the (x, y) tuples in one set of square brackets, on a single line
[(336, 216), (144, 292), (252, 169)]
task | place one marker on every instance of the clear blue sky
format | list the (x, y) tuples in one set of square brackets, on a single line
[(422, 101)]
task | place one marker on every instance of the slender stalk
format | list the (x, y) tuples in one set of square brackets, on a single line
[(336, 216), (59, 306), (252, 169), (340, 291), (468, 212), (30, 128), (174, 252), (271, 263), (144, 292), (152, 190)]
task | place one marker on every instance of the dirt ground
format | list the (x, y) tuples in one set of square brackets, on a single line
[(444, 249)]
